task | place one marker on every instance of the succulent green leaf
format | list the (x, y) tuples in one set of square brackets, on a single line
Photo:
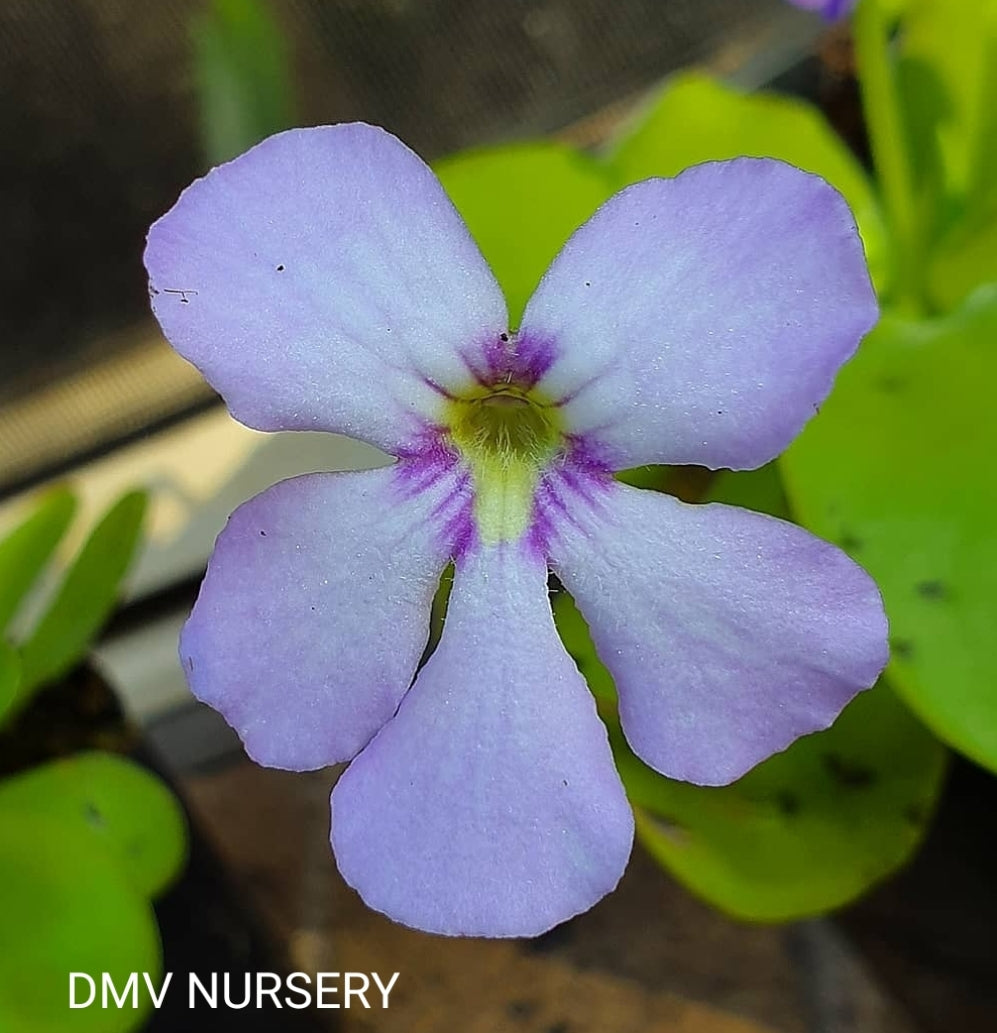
[(948, 69), (10, 676), (107, 801), (86, 596), (651, 477), (761, 490), (954, 47), (807, 830), (243, 76), (521, 203), (697, 119), (66, 908), (893, 470), (575, 635), (27, 549), (964, 259)]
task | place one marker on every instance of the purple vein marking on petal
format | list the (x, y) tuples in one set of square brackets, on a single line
[(438, 388), (548, 508), (460, 531), (584, 480), (578, 480), (581, 388), (421, 468), (454, 520), (589, 455), (424, 462), (479, 378)]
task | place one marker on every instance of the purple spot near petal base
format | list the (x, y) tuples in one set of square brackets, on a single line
[(520, 358)]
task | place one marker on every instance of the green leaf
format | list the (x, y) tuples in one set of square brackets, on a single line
[(521, 203), (66, 908), (10, 676), (948, 64), (697, 119), (652, 477), (807, 830), (28, 548), (954, 45), (965, 259), (86, 597), (575, 635), (894, 469), (108, 801), (760, 490), (243, 76)]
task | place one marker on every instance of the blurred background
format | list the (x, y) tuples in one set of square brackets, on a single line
[(104, 124), (108, 109)]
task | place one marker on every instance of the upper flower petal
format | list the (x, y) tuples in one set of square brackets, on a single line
[(702, 319), (489, 805), (315, 610), (324, 281), (728, 633)]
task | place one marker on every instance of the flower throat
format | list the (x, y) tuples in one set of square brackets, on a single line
[(507, 434)]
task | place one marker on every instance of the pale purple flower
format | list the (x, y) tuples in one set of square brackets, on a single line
[(324, 281), (832, 10)]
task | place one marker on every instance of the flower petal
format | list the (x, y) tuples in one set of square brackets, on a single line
[(729, 633), (324, 281), (702, 319), (489, 806), (315, 611)]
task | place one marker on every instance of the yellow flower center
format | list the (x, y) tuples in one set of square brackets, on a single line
[(507, 435)]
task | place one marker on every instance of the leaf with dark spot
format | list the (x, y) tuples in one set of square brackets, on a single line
[(932, 589), (848, 774), (912, 480), (788, 803)]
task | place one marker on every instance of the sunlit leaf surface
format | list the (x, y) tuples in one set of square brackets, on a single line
[(107, 801), (10, 675), (897, 470), (86, 597), (27, 549), (521, 203), (964, 259), (243, 76), (807, 830), (65, 909), (948, 63), (954, 44)]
